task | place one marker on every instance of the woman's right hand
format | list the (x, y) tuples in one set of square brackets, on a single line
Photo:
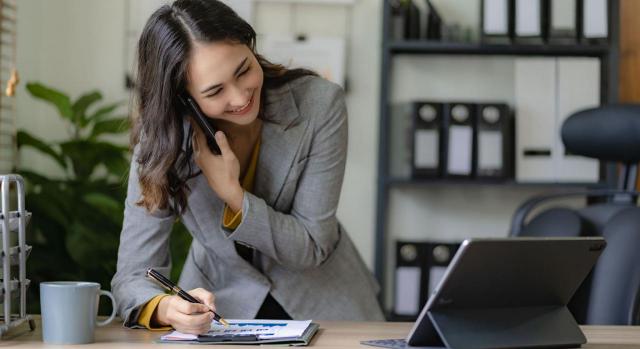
[(185, 316)]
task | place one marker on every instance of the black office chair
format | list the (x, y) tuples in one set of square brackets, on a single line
[(611, 294)]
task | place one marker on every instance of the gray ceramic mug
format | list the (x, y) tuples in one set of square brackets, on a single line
[(69, 311)]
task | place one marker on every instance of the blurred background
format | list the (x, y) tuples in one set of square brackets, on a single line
[(455, 111)]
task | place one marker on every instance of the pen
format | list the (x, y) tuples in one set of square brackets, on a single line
[(166, 283)]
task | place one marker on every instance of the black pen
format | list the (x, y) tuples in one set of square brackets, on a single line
[(166, 283)]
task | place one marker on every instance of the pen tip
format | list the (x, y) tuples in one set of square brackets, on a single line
[(224, 322)]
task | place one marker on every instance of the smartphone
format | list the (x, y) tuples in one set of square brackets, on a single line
[(202, 121)]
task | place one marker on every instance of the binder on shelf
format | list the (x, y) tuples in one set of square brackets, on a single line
[(496, 21), (530, 21), (460, 125), (564, 21), (426, 158), (433, 22), (535, 101), (578, 88), (396, 20), (495, 141), (419, 268), (595, 23), (411, 14)]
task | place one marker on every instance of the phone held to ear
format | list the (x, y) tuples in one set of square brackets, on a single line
[(202, 121)]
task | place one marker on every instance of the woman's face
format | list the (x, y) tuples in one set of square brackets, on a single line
[(225, 80)]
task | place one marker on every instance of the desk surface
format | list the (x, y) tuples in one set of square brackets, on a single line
[(332, 334)]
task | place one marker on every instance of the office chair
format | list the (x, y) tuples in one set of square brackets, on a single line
[(611, 294)]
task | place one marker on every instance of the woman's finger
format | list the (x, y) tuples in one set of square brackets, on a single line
[(200, 140), (223, 143), (195, 324), (186, 307), (204, 296)]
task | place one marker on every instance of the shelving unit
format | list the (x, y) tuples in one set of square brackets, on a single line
[(386, 182)]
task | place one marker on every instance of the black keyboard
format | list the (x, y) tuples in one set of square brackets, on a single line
[(387, 343)]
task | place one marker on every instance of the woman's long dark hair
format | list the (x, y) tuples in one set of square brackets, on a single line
[(163, 50)]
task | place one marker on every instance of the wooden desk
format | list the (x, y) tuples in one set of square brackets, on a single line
[(332, 334)]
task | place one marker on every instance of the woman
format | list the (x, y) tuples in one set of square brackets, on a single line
[(266, 241)]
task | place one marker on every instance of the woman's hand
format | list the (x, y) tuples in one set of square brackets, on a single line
[(185, 316), (222, 171)]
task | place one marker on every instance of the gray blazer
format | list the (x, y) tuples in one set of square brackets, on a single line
[(303, 255)]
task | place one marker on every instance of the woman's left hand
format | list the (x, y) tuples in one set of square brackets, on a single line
[(222, 171)]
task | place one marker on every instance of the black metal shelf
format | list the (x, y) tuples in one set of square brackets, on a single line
[(452, 48), (607, 53)]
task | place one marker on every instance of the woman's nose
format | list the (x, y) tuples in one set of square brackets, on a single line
[(238, 97)]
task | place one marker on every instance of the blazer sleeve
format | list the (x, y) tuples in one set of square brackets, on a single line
[(144, 243), (305, 237)]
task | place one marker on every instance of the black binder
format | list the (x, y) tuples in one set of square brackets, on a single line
[(419, 268), (497, 21), (427, 142), (564, 21), (495, 145), (459, 140)]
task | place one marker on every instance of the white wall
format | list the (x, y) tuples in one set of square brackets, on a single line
[(74, 46)]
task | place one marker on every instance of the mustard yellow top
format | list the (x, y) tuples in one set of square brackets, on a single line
[(230, 220)]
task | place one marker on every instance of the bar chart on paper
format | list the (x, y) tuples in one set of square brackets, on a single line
[(263, 329)]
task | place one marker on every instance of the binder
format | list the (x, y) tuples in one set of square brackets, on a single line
[(496, 21), (411, 15), (578, 88), (433, 22), (419, 268), (535, 100), (530, 21), (495, 141), (564, 21), (408, 282), (426, 155), (595, 24), (460, 140)]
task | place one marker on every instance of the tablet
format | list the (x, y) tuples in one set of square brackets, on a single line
[(505, 293)]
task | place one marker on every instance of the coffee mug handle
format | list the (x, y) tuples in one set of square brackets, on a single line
[(113, 313)]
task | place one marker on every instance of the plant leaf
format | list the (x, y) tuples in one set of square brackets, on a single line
[(53, 96), (80, 106), (105, 204), (25, 139), (85, 155), (103, 112), (119, 125)]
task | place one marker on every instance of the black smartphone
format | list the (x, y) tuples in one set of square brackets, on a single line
[(202, 121)]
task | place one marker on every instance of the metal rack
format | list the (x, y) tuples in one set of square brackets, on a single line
[(607, 53), (14, 255)]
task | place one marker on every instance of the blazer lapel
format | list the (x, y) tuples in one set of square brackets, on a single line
[(281, 136)]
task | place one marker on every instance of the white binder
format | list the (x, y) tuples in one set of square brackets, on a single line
[(460, 140), (535, 98), (495, 19), (594, 19), (578, 88), (528, 18), (563, 23)]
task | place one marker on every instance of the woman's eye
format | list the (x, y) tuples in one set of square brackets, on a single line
[(245, 71), (214, 94)]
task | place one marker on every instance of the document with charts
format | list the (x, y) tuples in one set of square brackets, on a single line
[(250, 332)]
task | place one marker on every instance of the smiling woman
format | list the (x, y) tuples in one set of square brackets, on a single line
[(266, 240)]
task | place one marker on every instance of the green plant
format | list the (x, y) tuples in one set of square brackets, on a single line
[(77, 217)]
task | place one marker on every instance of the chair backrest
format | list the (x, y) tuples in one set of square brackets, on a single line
[(611, 294), (616, 278)]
